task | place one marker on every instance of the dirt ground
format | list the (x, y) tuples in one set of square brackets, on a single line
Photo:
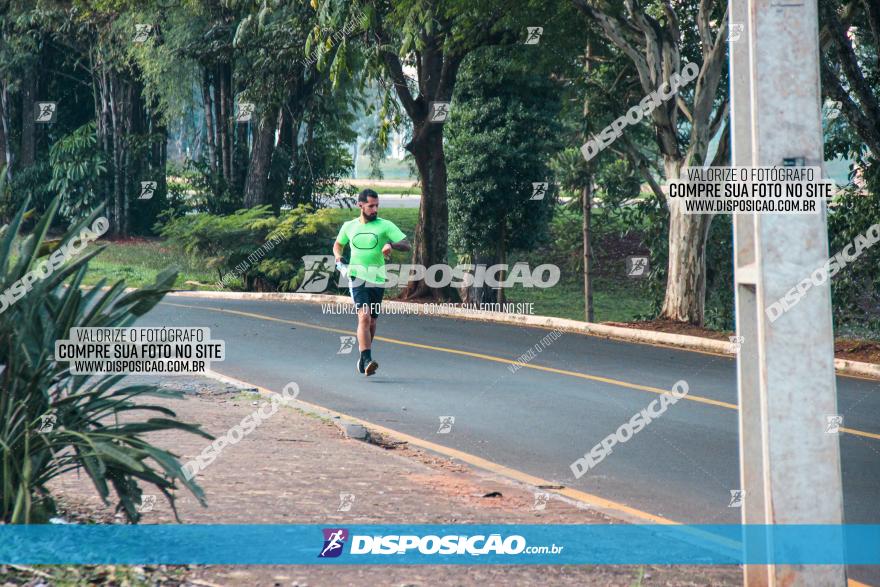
[(866, 351)]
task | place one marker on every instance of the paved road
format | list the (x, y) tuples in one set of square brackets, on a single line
[(537, 420)]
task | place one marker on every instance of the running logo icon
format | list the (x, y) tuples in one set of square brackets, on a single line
[(318, 273), (637, 266), (736, 498), (148, 188), (833, 424), (446, 423), (346, 345), (539, 190), (47, 423), (541, 500), (534, 34), (334, 541), (44, 112), (148, 502), (346, 500), (439, 111)]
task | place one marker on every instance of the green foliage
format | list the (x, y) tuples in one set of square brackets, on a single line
[(324, 157), (720, 302), (258, 249), (218, 240), (87, 433), (502, 131), (651, 218), (200, 192), (31, 184), (571, 171), (616, 182), (855, 290), (77, 167)]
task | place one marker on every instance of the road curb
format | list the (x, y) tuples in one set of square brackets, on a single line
[(348, 426), (682, 341)]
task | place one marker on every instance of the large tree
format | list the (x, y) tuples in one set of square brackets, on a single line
[(851, 64), (655, 36), (502, 132), (418, 47)]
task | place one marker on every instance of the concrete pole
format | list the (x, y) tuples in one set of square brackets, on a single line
[(790, 466), (751, 426)]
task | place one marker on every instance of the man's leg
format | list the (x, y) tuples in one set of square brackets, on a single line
[(366, 328), (365, 339), (375, 296), (361, 300)]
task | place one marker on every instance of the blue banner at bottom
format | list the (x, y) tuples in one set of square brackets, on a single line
[(618, 544)]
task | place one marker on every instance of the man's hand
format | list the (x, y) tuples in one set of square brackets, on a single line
[(386, 251)]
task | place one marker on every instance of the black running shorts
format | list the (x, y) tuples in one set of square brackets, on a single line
[(367, 295)]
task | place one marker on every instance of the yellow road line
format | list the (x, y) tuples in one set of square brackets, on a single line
[(608, 380)]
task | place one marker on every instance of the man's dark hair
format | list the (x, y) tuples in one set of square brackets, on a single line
[(367, 193)]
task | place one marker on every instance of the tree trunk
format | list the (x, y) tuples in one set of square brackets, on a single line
[(102, 128), (501, 252), (5, 147), (261, 160), (211, 141), (28, 151), (431, 237), (482, 294), (686, 278), (587, 207), (116, 137), (587, 202), (223, 115), (281, 162), (240, 152)]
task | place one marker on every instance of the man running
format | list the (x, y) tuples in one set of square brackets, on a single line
[(371, 239)]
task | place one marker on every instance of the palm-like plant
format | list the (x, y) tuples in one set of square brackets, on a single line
[(87, 432)]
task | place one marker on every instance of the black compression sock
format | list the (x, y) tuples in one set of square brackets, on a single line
[(365, 356)]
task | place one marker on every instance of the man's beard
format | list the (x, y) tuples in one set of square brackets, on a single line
[(370, 217)]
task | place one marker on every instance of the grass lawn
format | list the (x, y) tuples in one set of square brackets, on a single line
[(384, 189), (138, 261), (612, 301), (391, 169), (404, 218)]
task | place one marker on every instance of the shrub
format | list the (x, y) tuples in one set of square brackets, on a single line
[(855, 290), (87, 433), (77, 166), (252, 246)]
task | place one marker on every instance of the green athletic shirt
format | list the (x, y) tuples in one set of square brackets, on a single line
[(367, 240)]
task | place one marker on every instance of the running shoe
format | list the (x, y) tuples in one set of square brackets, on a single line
[(371, 367)]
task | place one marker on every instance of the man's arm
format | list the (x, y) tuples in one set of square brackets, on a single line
[(401, 245), (397, 240), (338, 247)]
